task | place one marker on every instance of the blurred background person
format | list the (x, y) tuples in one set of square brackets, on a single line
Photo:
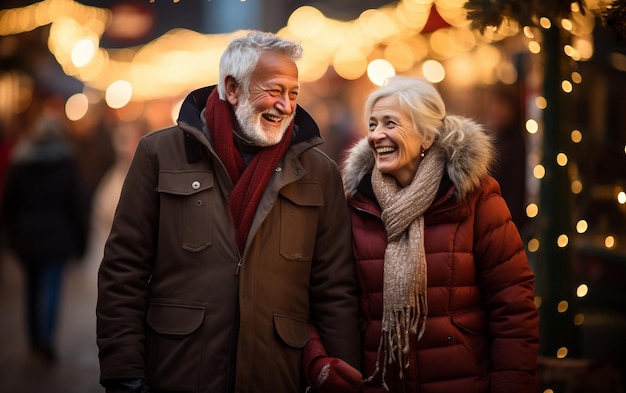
[(45, 220)]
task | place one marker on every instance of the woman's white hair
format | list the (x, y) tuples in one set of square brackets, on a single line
[(418, 99), (242, 54)]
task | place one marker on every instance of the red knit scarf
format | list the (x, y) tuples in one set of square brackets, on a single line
[(249, 182)]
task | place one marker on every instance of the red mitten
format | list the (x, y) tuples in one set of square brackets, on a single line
[(332, 375), (327, 374)]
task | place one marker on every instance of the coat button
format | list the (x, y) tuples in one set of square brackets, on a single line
[(195, 185)]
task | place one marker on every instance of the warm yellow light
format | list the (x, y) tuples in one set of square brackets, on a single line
[(581, 226), (532, 210), (118, 94), (541, 102), (576, 77), (76, 106), (582, 290), (621, 197), (566, 24), (433, 71), (561, 159), (350, 63), (579, 319), (539, 171), (528, 32), (545, 22), (561, 353), (306, 22), (569, 50), (576, 136), (534, 47), (566, 86), (400, 55), (532, 126), (577, 186), (562, 306), (379, 70), (533, 245), (562, 240), (609, 241), (538, 301), (83, 52)]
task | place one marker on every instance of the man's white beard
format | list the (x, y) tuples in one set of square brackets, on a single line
[(250, 122)]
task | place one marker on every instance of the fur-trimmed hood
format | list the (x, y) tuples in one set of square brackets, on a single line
[(469, 153)]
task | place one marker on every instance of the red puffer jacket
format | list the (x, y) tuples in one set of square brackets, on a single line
[(482, 326)]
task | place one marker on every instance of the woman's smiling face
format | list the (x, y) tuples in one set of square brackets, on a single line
[(397, 145)]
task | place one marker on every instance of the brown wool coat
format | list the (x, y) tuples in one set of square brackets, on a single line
[(168, 291)]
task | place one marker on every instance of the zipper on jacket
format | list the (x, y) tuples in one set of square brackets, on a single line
[(239, 266)]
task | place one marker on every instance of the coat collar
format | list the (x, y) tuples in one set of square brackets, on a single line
[(306, 131)]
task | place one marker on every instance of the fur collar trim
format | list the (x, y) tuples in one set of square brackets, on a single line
[(469, 157)]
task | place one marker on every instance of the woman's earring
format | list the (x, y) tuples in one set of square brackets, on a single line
[(423, 153)]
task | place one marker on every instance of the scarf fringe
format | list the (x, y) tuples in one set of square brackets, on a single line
[(407, 322)]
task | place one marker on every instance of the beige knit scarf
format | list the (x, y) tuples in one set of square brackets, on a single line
[(404, 292)]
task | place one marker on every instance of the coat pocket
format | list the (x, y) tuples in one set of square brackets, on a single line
[(299, 211), (291, 328), (189, 192), (174, 346)]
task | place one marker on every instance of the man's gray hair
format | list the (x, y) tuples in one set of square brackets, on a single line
[(242, 54)]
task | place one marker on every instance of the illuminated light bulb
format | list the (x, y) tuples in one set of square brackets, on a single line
[(532, 210), (582, 290), (528, 32), (562, 306), (561, 159), (576, 136), (609, 241), (533, 245), (532, 126), (579, 319), (561, 353), (576, 77), (76, 106), (433, 71), (539, 171), (582, 226), (567, 24), (576, 186), (83, 52), (566, 86), (541, 102), (562, 240), (118, 94), (621, 197), (545, 22), (534, 47), (379, 70)]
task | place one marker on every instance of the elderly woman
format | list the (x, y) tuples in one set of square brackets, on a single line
[(447, 294)]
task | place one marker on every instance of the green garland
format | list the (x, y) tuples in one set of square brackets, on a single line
[(614, 17), (491, 13)]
